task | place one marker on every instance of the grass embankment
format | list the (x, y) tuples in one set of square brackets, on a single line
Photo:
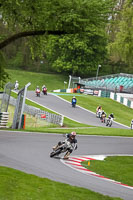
[(21, 186), (118, 168), (123, 114), (52, 81)]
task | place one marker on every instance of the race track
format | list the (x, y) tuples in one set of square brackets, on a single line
[(29, 152), (62, 107)]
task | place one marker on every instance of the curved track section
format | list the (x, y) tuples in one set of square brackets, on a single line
[(29, 152), (62, 107)]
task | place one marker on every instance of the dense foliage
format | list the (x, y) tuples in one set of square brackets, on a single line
[(78, 24), (121, 37), (3, 75), (70, 37)]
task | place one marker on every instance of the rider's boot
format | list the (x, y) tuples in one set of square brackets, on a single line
[(66, 156)]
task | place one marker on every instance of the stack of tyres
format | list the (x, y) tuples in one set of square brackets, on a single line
[(4, 116)]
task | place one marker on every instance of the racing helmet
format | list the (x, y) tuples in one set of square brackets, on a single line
[(73, 134)]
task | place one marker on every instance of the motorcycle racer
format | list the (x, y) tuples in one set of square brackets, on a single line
[(37, 91), (44, 89), (110, 119), (71, 138), (74, 101)]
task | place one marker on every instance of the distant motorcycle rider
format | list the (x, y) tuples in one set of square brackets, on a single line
[(44, 89), (37, 91), (110, 117), (99, 111), (74, 101), (71, 138), (103, 116)]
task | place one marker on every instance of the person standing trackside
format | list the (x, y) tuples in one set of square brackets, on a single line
[(16, 85)]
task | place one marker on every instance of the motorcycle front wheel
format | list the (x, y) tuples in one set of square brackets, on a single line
[(55, 153)]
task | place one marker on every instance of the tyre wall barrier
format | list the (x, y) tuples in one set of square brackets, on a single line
[(4, 116)]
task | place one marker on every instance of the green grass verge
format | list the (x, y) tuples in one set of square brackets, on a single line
[(87, 131), (123, 114), (21, 186), (118, 168), (52, 81)]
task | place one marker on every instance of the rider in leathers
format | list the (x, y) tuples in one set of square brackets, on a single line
[(71, 137)]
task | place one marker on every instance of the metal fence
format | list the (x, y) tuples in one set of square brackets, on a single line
[(36, 112), (18, 107), (6, 97)]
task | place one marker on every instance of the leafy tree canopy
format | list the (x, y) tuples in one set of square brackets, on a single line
[(121, 49), (79, 23)]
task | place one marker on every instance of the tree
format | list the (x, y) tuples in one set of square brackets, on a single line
[(3, 75), (121, 49), (39, 19), (76, 54)]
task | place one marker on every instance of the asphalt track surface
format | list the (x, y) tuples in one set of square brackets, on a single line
[(29, 152), (62, 107)]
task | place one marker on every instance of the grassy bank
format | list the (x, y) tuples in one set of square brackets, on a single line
[(21, 186), (118, 168), (86, 131), (52, 81), (123, 114)]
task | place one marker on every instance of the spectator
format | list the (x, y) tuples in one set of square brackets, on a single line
[(16, 85)]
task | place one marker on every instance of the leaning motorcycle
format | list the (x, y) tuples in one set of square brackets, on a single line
[(109, 121), (61, 148), (98, 114)]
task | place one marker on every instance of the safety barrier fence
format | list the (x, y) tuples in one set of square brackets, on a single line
[(39, 114)]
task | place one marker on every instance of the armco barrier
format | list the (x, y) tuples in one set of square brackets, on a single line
[(4, 119), (50, 117)]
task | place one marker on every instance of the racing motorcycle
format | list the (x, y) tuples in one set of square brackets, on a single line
[(73, 104), (38, 92), (98, 113), (62, 148), (44, 90), (109, 121)]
